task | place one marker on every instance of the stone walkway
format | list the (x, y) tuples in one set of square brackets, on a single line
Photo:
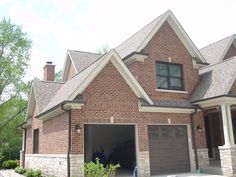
[(9, 173)]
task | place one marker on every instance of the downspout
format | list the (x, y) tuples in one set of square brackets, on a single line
[(23, 147), (69, 139), (194, 139)]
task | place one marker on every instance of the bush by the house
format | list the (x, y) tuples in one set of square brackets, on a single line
[(97, 169), (20, 170), (9, 164), (28, 172)]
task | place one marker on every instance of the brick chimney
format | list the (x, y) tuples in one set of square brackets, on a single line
[(49, 71)]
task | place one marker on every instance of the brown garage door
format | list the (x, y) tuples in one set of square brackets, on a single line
[(168, 149)]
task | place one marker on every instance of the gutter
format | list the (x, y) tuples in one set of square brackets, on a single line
[(69, 138), (194, 139)]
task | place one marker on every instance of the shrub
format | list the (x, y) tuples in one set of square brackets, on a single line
[(33, 173), (9, 164), (29, 173), (97, 169), (20, 170), (37, 173)]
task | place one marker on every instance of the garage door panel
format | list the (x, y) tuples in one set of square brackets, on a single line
[(168, 148)]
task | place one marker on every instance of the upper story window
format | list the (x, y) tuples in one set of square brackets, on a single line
[(169, 76), (36, 141)]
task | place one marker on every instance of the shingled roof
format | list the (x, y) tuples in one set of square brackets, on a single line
[(82, 59), (215, 52), (44, 91), (215, 80), (131, 44)]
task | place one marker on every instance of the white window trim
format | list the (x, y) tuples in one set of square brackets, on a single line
[(172, 91)]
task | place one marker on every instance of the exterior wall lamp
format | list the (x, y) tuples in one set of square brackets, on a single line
[(199, 129), (78, 128)]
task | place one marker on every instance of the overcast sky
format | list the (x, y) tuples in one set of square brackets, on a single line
[(58, 25)]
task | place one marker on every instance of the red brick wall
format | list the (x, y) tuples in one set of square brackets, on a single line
[(233, 88), (231, 52), (29, 141), (53, 135), (164, 45), (71, 72), (109, 95)]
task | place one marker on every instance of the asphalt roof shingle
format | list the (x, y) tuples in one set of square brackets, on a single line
[(82, 59), (213, 53), (215, 80), (132, 43), (44, 91)]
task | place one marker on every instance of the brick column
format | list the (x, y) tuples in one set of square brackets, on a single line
[(228, 160)]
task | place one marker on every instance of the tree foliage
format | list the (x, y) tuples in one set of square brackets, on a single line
[(14, 56), (58, 76), (103, 49)]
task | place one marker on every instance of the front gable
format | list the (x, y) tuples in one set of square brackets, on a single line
[(110, 92), (165, 46)]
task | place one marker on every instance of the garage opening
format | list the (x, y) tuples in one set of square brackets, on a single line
[(112, 144), (168, 149)]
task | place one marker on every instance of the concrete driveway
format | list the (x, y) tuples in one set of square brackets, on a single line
[(9, 173), (189, 175)]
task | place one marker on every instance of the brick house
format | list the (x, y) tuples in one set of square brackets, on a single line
[(155, 102)]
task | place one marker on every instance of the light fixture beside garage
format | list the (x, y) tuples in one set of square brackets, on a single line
[(199, 128), (78, 128)]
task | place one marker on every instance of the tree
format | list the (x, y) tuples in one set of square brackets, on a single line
[(14, 57), (103, 49), (58, 76)]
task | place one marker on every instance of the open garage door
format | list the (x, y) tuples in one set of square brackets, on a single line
[(111, 144), (168, 148)]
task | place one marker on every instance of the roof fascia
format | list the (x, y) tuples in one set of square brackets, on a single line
[(166, 109), (176, 26), (124, 71), (227, 48), (216, 101), (31, 104)]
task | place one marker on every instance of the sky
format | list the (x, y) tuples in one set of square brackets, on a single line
[(55, 26)]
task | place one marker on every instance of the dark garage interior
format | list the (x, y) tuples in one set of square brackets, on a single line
[(112, 144)]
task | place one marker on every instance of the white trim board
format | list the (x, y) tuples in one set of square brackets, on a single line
[(180, 32)]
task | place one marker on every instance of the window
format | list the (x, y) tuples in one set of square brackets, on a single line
[(169, 76), (36, 141)]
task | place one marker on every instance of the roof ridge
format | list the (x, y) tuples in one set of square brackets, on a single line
[(225, 60), (141, 29), (84, 52), (232, 35)]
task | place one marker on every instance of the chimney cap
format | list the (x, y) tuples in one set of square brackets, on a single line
[(49, 62)]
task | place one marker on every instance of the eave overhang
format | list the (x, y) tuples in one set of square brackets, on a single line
[(216, 101), (135, 56), (59, 109)]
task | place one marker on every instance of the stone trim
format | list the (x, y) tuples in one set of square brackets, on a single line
[(203, 159), (55, 165), (46, 155), (228, 160), (143, 163), (76, 163)]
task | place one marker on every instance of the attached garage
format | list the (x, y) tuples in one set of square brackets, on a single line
[(168, 149), (112, 144)]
